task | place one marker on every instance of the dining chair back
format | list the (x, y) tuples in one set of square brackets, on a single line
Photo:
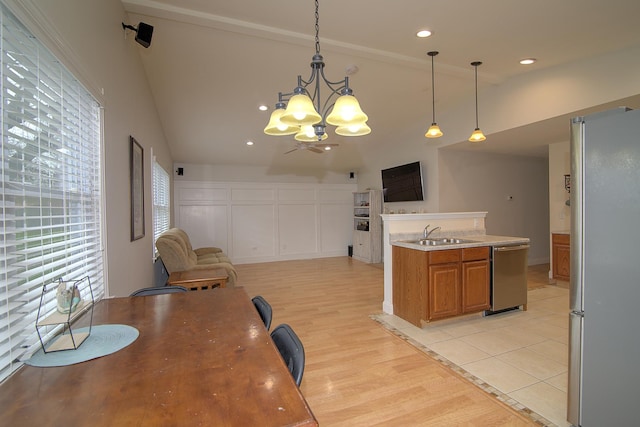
[(264, 310), (158, 290), (291, 350)]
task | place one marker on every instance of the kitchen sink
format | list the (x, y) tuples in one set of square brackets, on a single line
[(453, 240), (439, 241)]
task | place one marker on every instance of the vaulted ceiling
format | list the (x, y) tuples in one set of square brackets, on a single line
[(212, 63)]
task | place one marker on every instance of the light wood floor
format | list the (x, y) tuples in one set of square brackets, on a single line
[(357, 373)]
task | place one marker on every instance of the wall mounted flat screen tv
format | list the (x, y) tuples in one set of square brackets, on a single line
[(402, 183)]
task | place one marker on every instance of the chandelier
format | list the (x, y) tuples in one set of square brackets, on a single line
[(304, 113)]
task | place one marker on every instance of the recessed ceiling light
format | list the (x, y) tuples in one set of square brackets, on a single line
[(528, 61), (249, 142), (327, 148), (423, 33), (263, 108)]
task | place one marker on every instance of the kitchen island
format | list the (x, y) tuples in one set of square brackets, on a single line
[(447, 278), (400, 228)]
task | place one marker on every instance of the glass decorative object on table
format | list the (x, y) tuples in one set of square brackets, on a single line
[(60, 309)]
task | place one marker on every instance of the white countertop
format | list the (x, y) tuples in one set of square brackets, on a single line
[(473, 241)]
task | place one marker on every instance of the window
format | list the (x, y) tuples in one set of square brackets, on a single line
[(161, 201), (50, 186)]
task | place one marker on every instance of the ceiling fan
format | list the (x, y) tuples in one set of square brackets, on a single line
[(311, 146)]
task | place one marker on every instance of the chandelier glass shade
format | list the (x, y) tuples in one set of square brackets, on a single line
[(357, 129), (304, 110), (300, 112), (434, 130), (307, 133), (477, 135), (275, 126), (346, 111)]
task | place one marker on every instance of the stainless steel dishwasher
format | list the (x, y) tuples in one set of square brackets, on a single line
[(508, 278)]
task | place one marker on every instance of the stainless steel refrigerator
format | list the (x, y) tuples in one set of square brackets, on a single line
[(604, 333)]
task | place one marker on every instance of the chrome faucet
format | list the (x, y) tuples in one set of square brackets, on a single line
[(426, 233)]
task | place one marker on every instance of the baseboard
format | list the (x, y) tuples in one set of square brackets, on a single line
[(288, 257), (538, 261)]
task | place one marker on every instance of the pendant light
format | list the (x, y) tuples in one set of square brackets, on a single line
[(434, 130), (477, 135)]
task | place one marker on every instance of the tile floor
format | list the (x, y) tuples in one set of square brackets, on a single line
[(521, 354)]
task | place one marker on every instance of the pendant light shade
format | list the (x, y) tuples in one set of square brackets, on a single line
[(300, 111), (477, 135), (434, 130), (346, 111), (275, 127), (358, 129)]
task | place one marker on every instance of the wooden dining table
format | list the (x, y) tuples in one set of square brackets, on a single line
[(201, 359)]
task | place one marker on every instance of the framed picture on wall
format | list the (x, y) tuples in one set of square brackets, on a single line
[(136, 171)]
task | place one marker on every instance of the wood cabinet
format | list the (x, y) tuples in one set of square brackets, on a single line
[(476, 276), (431, 285), (367, 226), (410, 275), (444, 284), (561, 248)]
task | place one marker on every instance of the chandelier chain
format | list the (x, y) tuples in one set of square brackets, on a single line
[(317, 29)]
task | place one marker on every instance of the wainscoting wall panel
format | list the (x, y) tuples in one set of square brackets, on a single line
[(256, 222)]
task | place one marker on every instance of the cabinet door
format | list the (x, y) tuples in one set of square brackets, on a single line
[(475, 286), (361, 246), (561, 262), (561, 256), (410, 285), (444, 290)]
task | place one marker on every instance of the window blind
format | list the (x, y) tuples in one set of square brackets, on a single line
[(50, 187), (161, 201)]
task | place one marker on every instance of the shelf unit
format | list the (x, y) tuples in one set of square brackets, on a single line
[(50, 319), (367, 226)]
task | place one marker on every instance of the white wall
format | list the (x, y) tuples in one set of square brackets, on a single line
[(263, 222), (512, 189), (88, 38), (559, 166)]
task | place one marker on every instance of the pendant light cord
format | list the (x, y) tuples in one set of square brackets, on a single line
[(433, 91), (476, 70), (475, 66)]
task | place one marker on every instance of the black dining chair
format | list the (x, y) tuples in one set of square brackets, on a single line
[(291, 350), (264, 310), (158, 290)]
